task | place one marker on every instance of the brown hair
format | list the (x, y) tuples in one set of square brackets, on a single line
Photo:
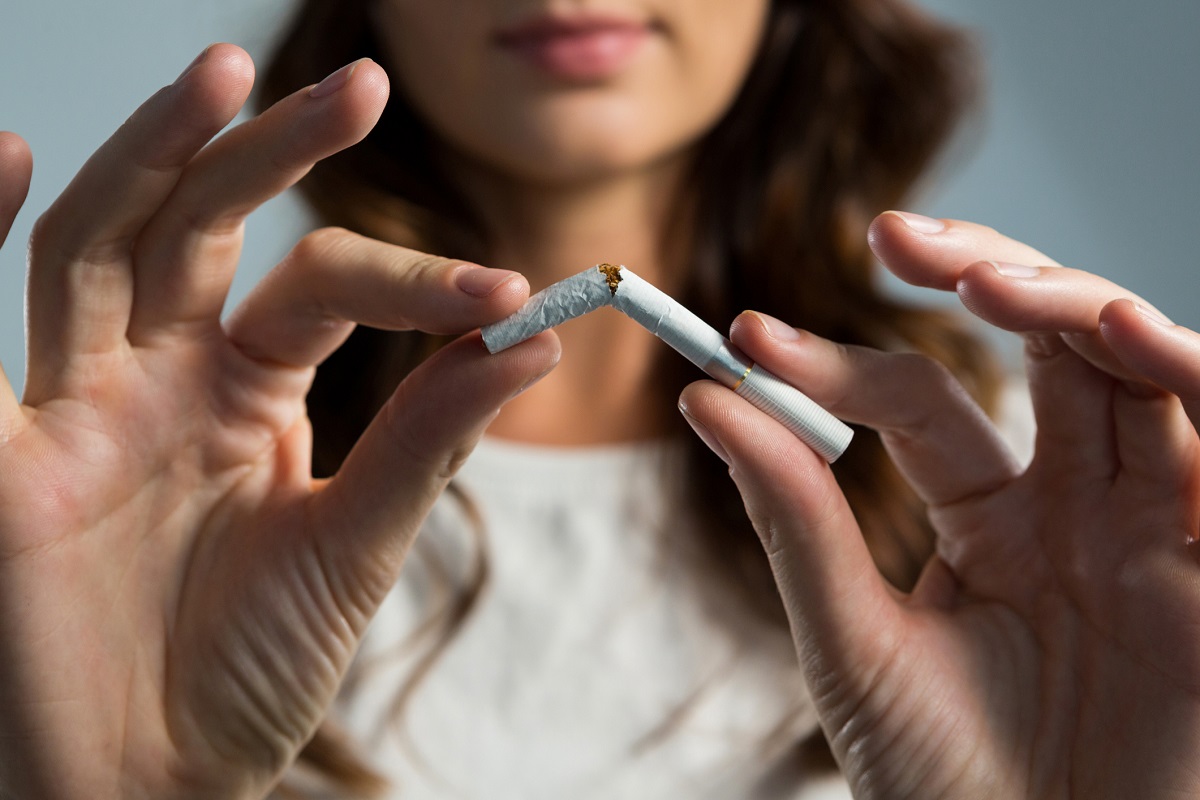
[(844, 108)]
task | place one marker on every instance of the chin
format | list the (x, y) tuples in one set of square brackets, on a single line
[(564, 145), (577, 164)]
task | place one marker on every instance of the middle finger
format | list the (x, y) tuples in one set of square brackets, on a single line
[(1093, 407), (80, 288), (1037, 300), (185, 258)]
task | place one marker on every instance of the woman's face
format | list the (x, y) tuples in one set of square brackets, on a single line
[(567, 90)]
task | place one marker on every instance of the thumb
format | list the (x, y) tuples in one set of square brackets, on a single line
[(841, 612), (369, 513)]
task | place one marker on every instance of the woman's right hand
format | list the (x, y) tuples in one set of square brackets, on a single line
[(178, 597)]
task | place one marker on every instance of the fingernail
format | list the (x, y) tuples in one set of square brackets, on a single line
[(705, 435), (921, 223), (1015, 270), (776, 328), (1153, 315), (199, 60), (335, 81), (482, 281)]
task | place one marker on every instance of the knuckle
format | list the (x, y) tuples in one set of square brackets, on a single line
[(765, 524), (931, 388), (321, 245), (193, 215), (420, 445), (417, 267), (921, 370), (404, 435), (855, 361), (458, 457), (43, 236), (56, 240), (310, 258), (1043, 346)]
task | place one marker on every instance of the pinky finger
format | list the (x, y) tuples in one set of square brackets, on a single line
[(11, 417), (16, 167), (1165, 354)]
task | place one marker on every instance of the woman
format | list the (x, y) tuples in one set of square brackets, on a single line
[(160, 527), (630, 164)]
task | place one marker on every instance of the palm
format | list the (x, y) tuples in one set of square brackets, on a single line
[(1056, 642), (157, 497)]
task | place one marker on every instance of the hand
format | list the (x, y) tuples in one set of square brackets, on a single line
[(1049, 648), (179, 597)]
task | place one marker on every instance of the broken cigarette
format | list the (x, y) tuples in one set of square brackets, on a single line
[(685, 332)]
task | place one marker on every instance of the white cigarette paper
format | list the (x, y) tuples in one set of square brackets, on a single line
[(685, 332), (554, 305)]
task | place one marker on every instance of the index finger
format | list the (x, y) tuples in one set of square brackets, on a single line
[(933, 252), (333, 279)]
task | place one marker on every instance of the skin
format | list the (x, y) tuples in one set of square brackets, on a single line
[(1049, 649), (529, 127), (179, 598), (158, 453), (567, 175)]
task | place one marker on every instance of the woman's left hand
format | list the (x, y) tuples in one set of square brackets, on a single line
[(1050, 648)]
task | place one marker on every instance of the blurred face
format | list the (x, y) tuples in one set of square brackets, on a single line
[(567, 90)]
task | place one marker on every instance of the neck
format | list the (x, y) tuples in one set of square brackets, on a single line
[(551, 231), (603, 389)]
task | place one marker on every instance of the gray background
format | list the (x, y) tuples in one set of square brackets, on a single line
[(1086, 148)]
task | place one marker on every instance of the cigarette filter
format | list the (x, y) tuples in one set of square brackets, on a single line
[(685, 332)]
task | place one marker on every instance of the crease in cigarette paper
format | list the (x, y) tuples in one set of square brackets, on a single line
[(565, 300)]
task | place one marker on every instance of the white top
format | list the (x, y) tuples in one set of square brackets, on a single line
[(590, 638)]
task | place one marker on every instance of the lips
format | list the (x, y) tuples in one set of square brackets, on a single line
[(578, 48)]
